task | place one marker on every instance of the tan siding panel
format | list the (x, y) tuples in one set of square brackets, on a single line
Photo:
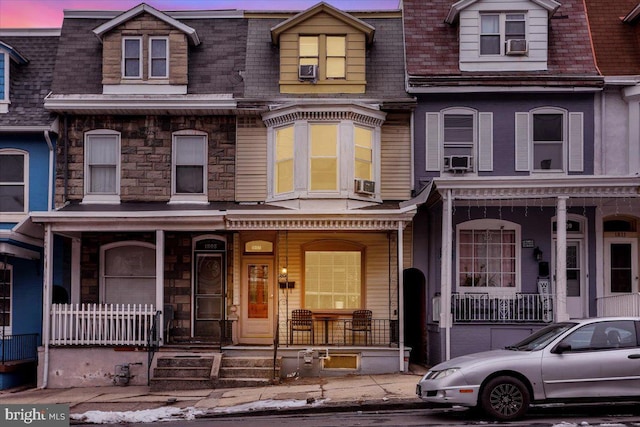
[(251, 162), (396, 162)]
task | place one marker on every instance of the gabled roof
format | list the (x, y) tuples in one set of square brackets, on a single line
[(31, 81), (13, 53), (433, 51), (454, 11), (145, 8), (614, 34), (322, 7)]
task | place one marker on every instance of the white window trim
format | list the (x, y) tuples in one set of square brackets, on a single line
[(340, 156), (18, 216), (8, 329), (166, 57), (141, 58), (5, 101), (190, 198), (474, 148), (102, 198), (346, 161), (565, 140), (502, 20), (109, 246), (490, 224)]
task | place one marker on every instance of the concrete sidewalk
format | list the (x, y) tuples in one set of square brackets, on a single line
[(359, 392)]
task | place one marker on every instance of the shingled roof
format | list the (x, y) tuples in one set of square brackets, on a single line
[(30, 81), (432, 46), (384, 62), (616, 43), (214, 64)]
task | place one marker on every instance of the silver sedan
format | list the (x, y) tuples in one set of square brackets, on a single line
[(575, 361)]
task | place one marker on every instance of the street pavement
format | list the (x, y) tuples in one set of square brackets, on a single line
[(358, 392)]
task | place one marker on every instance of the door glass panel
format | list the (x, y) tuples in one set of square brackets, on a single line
[(573, 270), (258, 276), (621, 263), (209, 275)]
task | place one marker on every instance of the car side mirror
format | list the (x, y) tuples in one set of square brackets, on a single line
[(561, 348)]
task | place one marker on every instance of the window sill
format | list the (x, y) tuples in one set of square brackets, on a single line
[(190, 198), (12, 216), (101, 199)]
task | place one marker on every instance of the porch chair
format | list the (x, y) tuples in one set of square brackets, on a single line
[(301, 321), (359, 323)]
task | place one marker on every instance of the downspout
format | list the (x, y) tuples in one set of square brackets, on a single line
[(400, 297), (52, 175)]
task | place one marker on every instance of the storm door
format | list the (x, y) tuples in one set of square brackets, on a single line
[(621, 274), (208, 296)]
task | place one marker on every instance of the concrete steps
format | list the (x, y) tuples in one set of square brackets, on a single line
[(192, 371)]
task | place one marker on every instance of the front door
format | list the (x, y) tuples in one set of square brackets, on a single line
[(576, 298), (208, 296), (621, 269), (257, 300)]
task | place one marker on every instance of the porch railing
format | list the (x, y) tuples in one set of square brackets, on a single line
[(101, 324), (382, 332), (619, 305), (482, 307), (19, 348)]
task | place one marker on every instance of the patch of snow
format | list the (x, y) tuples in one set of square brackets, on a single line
[(267, 404), (164, 413)]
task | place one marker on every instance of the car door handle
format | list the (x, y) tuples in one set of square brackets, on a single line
[(634, 356)]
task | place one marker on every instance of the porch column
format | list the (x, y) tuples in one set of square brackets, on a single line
[(560, 306), (47, 299), (76, 256), (399, 247), (160, 280), (445, 272)]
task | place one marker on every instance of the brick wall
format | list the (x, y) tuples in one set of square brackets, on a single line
[(146, 155)]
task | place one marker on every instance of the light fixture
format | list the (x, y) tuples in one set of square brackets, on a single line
[(283, 279), (537, 253)]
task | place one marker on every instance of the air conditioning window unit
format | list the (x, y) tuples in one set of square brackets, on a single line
[(516, 47), (364, 186), (308, 72), (458, 163)]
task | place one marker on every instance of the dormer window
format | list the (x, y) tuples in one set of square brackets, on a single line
[(7, 54), (158, 57), (328, 53), (497, 29), (336, 57), (132, 58)]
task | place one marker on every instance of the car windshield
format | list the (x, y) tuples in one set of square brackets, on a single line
[(540, 339)]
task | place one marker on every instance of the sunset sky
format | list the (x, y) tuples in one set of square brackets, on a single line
[(48, 13)]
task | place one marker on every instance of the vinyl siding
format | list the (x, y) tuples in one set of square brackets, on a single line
[(396, 162), (251, 161)]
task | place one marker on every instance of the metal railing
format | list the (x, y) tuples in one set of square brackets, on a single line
[(481, 307), (619, 305), (19, 347), (101, 324), (381, 332)]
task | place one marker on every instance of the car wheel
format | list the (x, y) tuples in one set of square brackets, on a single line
[(505, 398)]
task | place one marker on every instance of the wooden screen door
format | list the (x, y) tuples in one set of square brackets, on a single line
[(208, 296), (257, 301)]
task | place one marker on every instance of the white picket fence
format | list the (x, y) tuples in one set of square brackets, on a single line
[(101, 324), (619, 305)]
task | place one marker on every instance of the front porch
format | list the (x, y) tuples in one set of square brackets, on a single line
[(619, 305)]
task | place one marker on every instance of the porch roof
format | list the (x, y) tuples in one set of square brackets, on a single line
[(221, 216), (521, 188)]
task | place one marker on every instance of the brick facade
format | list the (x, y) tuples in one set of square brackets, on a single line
[(146, 155)]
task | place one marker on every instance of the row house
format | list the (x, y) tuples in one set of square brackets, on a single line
[(227, 182), (28, 135), (522, 218)]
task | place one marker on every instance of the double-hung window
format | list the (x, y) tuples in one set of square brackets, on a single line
[(132, 57), (13, 182), (158, 57), (336, 57), (6, 281), (284, 160), (363, 142), (548, 141), (487, 254), (102, 166), (189, 166), (308, 50), (459, 136), (323, 158), (496, 29)]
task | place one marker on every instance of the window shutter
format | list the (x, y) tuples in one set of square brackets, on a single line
[(576, 142), (433, 142), (485, 142), (522, 142)]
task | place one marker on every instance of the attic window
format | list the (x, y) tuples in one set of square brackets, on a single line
[(159, 53), (496, 29), (132, 58)]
